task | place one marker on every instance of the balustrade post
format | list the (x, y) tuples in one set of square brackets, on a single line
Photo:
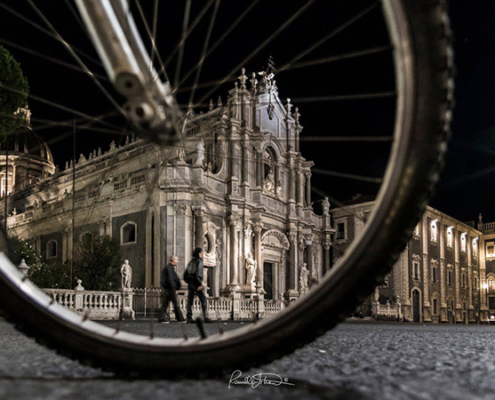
[(79, 293)]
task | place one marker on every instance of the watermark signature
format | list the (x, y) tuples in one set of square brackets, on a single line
[(256, 380)]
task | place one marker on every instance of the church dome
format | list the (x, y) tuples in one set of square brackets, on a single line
[(27, 142), (29, 158)]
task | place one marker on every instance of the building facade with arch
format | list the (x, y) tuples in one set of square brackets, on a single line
[(238, 186), (446, 273)]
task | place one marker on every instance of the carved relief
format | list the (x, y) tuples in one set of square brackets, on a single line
[(275, 239), (180, 209), (233, 220)]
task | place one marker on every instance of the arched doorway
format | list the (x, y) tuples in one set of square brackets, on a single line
[(416, 305)]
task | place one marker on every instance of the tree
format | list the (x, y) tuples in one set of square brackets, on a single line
[(97, 262), (14, 89), (53, 275)]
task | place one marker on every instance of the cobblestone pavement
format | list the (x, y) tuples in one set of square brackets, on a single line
[(354, 361)]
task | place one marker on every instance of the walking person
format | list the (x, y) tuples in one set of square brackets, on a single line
[(194, 278), (170, 282)]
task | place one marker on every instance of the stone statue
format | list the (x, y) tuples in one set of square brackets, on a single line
[(126, 273), (269, 184), (251, 266), (113, 146), (326, 206), (200, 153), (181, 153), (303, 279)]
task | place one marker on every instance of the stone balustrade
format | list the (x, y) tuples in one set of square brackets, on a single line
[(387, 311), (97, 305), (145, 303)]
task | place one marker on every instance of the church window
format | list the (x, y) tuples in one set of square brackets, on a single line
[(415, 270), (6, 183), (450, 236), (463, 242), (128, 233), (434, 230), (434, 274), (475, 247), (435, 306), (213, 156), (341, 231), (51, 249), (450, 278), (490, 249)]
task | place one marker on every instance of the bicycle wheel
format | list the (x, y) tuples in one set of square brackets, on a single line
[(418, 33)]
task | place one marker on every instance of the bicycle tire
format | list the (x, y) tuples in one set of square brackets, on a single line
[(425, 111)]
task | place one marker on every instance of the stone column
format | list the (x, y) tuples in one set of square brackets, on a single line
[(482, 283), (309, 258), (198, 226), (235, 161), (426, 277), (257, 228), (234, 254), (308, 189), (259, 168), (470, 288), (291, 292), (245, 162), (292, 183), (458, 307), (326, 254), (406, 295), (297, 185), (246, 248), (443, 301)]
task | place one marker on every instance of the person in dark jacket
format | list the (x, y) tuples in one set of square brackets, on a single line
[(170, 282), (194, 278)]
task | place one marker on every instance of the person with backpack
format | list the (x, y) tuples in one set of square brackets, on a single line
[(194, 279), (170, 282)]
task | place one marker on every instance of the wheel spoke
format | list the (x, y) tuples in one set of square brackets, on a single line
[(56, 105), (338, 203), (183, 40), (151, 37), (48, 58), (51, 124), (76, 57), (347, 176), (346, 56), (218, 42), (327, 37), (346, 138), (202, 58), (260, 47), (345, 97), (154, 28), (185, 23), (40, 28)]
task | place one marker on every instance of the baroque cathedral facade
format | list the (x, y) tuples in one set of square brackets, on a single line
[(238, 186)]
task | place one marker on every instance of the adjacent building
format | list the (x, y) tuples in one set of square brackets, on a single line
[(446, 273)]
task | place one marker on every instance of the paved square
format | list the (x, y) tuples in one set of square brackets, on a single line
[(355, 361)]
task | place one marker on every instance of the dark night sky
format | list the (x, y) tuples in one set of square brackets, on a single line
[(465, 189)]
